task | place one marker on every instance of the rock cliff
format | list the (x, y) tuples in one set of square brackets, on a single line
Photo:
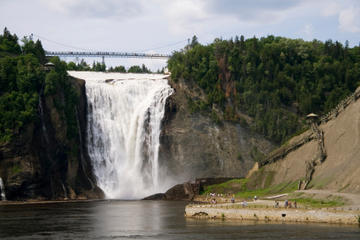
[(327, 156), (194, 145), (41, 162)]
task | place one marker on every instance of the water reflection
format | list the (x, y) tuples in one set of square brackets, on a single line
[(145, 220), (128, 217)]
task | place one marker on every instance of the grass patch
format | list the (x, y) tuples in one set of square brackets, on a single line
[(231, 186), (277, 189), (319, 203), (320, 183), (239, 187), (269, 179)]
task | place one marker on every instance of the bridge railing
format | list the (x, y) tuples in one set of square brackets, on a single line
[(106, 54)]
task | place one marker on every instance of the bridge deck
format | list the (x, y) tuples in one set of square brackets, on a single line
[(106, 54)]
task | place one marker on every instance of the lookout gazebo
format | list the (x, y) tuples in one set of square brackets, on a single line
[(49, 66), (312, 117)]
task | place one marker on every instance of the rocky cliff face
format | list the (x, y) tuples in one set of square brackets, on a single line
[(42, 163), (325, 157), (193, 145)]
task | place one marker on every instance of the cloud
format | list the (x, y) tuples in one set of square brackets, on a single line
[(308, 30), (194, 16), (184, 16), (259, 11), (349, 20), (330, 9), (97, 9)]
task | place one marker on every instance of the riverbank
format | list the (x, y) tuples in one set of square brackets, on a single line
[(265, 211)]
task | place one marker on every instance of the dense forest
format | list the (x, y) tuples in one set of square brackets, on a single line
[(101, 67), (24, 79), (274, 80)]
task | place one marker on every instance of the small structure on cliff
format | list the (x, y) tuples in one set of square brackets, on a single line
[(49, 66), (312, 118)]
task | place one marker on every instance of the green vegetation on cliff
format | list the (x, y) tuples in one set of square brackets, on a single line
[(101, 67), (274, 80), (23, 79)]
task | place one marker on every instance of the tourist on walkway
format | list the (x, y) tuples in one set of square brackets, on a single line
[(286, 204)]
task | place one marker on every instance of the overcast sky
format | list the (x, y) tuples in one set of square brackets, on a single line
[(164, 25)]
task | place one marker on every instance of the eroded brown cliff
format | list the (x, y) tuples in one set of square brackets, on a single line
[(335, 167)]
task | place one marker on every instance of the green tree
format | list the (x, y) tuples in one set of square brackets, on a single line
[(9, 44), (120, 69), (135, 69), (274, 80)]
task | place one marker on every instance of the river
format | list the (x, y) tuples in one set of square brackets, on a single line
[(114, 219)]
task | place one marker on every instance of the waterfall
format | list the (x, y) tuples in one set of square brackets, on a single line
[(124, 123), (2, 190)]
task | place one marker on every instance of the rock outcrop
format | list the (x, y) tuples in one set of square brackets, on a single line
[(42, 163), (180, 192), (193, 145), (188, 190)]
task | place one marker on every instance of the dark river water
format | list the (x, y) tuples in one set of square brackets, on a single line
[(145, 220)]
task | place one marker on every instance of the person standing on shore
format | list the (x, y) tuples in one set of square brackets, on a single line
[(286, 204)]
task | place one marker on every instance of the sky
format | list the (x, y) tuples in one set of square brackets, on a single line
[(163, 26)]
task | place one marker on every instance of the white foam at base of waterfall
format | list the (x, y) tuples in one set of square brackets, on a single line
[(2, 190), (124, 123)]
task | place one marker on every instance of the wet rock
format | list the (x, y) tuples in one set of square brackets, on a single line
[(157, 196), (185, 191)]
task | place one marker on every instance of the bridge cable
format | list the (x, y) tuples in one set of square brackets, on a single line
[(83, 49), (168, 45), (61, 44)]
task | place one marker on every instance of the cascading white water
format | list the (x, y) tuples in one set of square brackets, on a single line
[(2, 190), (124, 121)]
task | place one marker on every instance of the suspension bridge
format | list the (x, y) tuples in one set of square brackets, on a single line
[(77, 54), (107, 54), (82, 53)]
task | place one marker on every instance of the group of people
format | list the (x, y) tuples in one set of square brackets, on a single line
[(219, 195), (287, 204)]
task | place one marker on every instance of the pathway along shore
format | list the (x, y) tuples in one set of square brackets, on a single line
[(264, 210)]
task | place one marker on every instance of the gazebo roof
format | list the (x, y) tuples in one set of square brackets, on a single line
[(49, 64), (312, 115)]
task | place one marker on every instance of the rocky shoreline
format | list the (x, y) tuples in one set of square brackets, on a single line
[(268, 214)]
